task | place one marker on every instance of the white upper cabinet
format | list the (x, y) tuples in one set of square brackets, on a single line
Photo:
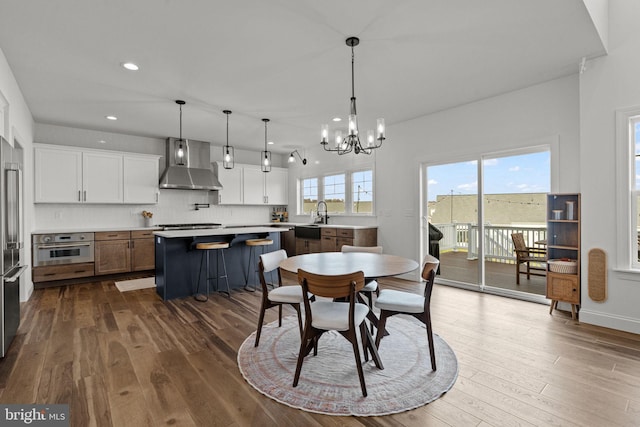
[(140, 179), (231, 180), (58, 175), (74, 175), (276, 186), (248, 185), (102, 177), (253, 185)]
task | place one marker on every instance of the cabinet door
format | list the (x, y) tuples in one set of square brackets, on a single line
[(143, 254), (58, 175), (140, 179), (276, 184), (231, 180), (112, 256), (253, 186), (102, 178), (328, 244), (314, 246)]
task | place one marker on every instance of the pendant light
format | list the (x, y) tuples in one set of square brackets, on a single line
[(265, 156), (181, 149), (228, 157), (351, 142)]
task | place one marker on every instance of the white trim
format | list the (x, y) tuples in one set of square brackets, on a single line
[(607, 320), (624, 156)]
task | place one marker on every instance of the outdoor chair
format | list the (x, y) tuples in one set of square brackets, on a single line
[(528, 255)]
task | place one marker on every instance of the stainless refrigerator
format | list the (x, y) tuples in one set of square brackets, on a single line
[(12, 266)]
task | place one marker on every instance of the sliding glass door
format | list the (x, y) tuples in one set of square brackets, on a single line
[(476, 246)]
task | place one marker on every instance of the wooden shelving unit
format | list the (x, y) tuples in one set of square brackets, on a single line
[(563, 242)]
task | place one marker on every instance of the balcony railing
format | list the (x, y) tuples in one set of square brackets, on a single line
[(498, 246)]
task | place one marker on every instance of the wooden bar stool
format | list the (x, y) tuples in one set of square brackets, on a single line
[(253, 244), (207, 248)]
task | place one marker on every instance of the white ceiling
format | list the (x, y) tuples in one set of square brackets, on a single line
[(281, 59)]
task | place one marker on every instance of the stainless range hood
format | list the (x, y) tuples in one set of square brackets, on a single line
[(195, 172)]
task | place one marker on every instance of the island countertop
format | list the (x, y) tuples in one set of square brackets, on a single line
[(218, 231)]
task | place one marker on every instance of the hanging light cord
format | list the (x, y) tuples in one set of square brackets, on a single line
[(227, 131), (180, 122)]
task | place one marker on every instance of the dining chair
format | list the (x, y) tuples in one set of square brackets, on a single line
[(279, 295), (344, 317), (392, 302), (527, 255), (371, 285)]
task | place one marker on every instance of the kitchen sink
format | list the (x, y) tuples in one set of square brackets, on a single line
[(309, 231)]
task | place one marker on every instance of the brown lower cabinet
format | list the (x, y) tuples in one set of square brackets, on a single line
[(143, 250), (112, 252), (51, 273), (333, 238)]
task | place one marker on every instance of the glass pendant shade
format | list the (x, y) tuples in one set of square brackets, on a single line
[(228, 155), (180, 153), (265, 156)]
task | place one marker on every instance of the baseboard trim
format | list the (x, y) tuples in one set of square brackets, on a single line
[(621, 323)]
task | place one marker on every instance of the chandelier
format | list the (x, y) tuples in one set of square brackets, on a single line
[(352, 141)]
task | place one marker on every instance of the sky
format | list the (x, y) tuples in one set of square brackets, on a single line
[(528, 173)]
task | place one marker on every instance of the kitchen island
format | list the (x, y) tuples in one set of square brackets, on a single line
[(178, 262)]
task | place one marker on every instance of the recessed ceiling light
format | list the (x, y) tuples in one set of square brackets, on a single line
[(102, 141), (317, 162), (337, 119), (270, 143), (130, 66), (111, 117)]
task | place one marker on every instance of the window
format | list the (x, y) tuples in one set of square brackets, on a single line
[(309, 195), (362, 192), (334, 190), (345, 193)]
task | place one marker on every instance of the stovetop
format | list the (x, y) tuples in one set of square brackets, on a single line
[(197, 226)]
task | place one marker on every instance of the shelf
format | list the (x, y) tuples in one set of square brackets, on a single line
[(565, 221)]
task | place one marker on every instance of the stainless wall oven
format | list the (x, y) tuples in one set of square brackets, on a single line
[(62, 248)]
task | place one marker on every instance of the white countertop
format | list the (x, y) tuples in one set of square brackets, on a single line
[(273, 225), (219, 231)]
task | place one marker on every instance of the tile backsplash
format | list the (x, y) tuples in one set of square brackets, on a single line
[(174, 206)]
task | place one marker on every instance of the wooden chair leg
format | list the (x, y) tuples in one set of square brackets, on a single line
[(297, 308), (260, 321), (432, 351), (517, 273), (374, 350), (356, 352), (280, 315), (553, 305), (382, 321)]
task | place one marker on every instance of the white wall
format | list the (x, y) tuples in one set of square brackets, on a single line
[(20, 129), (527, 117), (608, 84)]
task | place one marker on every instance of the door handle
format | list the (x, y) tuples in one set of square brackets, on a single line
[(17, 274)]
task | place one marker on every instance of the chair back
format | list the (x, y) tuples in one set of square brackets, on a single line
[(370, 249), (429, 269), (269, 262), (339, 286), (518, 242)]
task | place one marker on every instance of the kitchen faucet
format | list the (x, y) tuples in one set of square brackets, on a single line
[(325, 212)]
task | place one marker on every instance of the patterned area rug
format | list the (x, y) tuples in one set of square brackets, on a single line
[(329, 381)]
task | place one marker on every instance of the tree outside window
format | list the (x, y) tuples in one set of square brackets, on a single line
[(362, 192), (334, 193), (309, 195)]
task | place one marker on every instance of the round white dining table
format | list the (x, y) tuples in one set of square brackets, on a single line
[(336, 263)]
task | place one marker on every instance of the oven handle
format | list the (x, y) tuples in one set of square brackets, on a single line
[(68, 245), (17, 274)]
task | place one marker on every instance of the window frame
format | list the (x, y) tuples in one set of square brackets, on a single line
[(627, 193), (348, 202)]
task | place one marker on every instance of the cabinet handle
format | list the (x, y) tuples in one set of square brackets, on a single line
[(157, 195), (85, 195), (79, 195), (219, 198)]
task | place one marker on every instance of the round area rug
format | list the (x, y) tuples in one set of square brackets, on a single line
[(329, 382)]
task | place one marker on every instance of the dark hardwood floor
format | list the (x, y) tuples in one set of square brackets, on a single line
[(130, 359)]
